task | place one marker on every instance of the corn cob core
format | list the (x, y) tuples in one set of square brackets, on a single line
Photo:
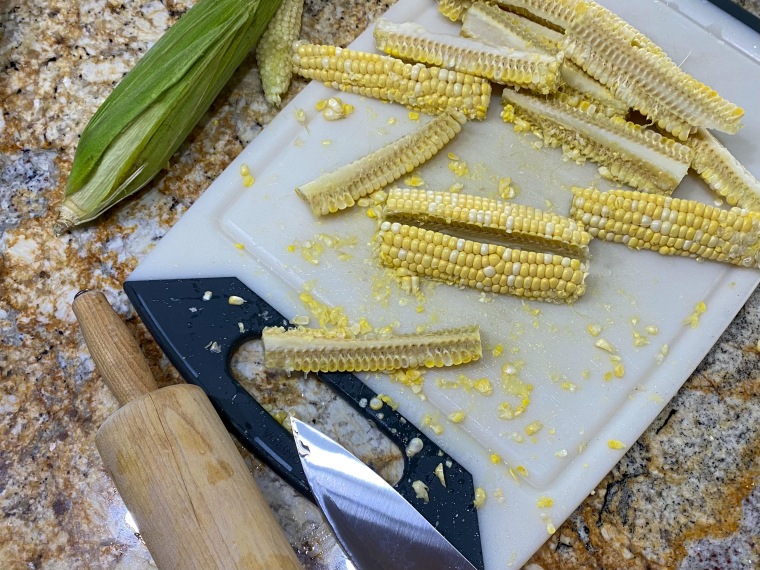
[(499, 265), (533, 70), (429, 90), (340, 189), (723, 172), (273, 51), (329, 350), (670, 226), (626, 152)]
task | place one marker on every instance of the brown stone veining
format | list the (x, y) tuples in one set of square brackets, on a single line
[(684, 496)]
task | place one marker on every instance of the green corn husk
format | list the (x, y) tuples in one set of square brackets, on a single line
[(132, 135)]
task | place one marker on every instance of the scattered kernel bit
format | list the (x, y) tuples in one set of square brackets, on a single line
[(456, 187), (375, 403), (213, 346), (207, 296), (326, 142), (605, 345), (561, 453), (652, 330), (459, 167), (291, 248), (301, 118), (241, 327), (320, 105), (414, 447), (244, 170), (550, 528), (545, 502), (390, 402), (569, 386), (607, 376), (552, 431), (700, 308), (498, 494), (506, 190), (639, 339), (664, 350), (430, 422), (498, 350), (452, 156), (457, 417), (414, 181), (235, 300), (480, 497), (495, 458), (533, 427), (239, 246), (421, 490), (594, 329), (414, 115), (615, 444), (693, 319), (392, 121), (521, 470), (483, 385), (248, 181), (439, 473), (618, 370)]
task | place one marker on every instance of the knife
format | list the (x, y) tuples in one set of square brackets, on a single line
[(377, 527)]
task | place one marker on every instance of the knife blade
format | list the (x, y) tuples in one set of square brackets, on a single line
[(376, 526)]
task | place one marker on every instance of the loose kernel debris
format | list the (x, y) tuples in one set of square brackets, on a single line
[(457, 417), (207, 296), (414, 115), (413, 378), (300, 115), (429, 421), (569, 386), (301, 320), (235, 300), (514, 386), (459, 167), (375, 403), (498, 494), (244, 170), (561, 453), (439, 473), (214, 347), (640, 339), (533, 427), (421, 490), (664, 350), (414, 447), (651, 330), (594, 329), (506, 190), (480, 497), (334, 108), (615, 444), (544, 502), (498, 350), (239, 246), (605, 345), (693, 319), (495, 458)]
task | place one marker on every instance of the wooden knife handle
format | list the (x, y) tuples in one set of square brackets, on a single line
[(113, 348), (175, 465)]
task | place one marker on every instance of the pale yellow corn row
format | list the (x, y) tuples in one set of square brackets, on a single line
[(723, 172), (517, 223), (490, 24), (326, 350), (626, 152), (475, 263), (340, 189), (640, 73), (670, 226), (273, 51), (429, 90), (531, 70), (454, 9), (557, 13)]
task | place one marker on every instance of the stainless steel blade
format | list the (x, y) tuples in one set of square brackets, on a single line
[(375, 524)]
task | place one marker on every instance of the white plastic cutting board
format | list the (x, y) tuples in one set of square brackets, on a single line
[(627, 291)]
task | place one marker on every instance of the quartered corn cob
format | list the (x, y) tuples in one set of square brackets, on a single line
[(723, 172), (638, 72), (670, 226), (511, 248), (429, 90), (274, 50), (328, 350), (339, 189), (490, 24), (625, 152), (525, 69)]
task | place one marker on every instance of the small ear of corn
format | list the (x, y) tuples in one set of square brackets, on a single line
[(670, 226), (151, 111), (429, 90), (327, 350), (527, 69), (274, 50), (626, 152), (490, 24), (497, 258), (723, 172), (339, 189)]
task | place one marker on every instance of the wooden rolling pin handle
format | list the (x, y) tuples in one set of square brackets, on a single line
[(175, 465)]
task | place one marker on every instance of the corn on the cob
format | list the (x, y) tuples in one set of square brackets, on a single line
[(670, 226), (626, 152), (641, 74), (151, 111), (429, 90), (497, 258), (723, 172), (454, 9), (525, 69), (328, 350), (274, 50), (490, 24), (339, 189)]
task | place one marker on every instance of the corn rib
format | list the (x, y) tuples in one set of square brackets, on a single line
[(626, 152), (340, 189), (487, 245), (328, 350), (526, 69), (670, 226)]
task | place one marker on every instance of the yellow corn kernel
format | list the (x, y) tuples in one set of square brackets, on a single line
[(273, 51), (340, 189), (625, 152), (545, 502), (480, 497), (533, 428), (495, 459), (440, 474), (331, 350), (429, 90), (615, 444), (670, 226), (457, 417), (532, 70)]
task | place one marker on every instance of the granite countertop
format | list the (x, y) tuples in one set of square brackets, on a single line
[(684, 496)]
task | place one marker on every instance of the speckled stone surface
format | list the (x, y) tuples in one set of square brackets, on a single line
[(684, 496)]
